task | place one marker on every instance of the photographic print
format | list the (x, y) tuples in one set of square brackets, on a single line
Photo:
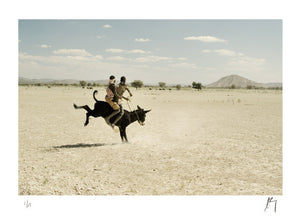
[(150, 107)]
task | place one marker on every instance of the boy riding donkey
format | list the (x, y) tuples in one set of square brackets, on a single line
[(114, 98)]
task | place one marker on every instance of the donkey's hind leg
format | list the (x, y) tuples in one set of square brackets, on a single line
[(87, 119), (83, 107), (88, 114)]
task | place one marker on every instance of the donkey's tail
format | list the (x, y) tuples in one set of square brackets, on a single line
[(95, 96)]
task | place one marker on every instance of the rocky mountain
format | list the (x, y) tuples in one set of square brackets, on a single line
[(239, 81)]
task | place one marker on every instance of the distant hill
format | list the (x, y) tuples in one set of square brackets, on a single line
[(271, 85), (23, 80), (239, 81)]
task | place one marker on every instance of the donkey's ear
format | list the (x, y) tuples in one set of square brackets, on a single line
[(147, 111), (139, 108)]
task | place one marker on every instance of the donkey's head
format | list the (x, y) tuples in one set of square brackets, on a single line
[(141, 115)]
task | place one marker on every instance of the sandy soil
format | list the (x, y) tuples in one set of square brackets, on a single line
[(212, 142)]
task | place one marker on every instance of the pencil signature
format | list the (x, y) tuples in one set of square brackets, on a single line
[(27, 204), (269, 201)]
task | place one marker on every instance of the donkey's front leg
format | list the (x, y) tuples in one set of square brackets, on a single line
[(121, 133), (125, 135)]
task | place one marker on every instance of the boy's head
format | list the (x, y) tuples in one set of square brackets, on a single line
[(123, 80), (112, 79)]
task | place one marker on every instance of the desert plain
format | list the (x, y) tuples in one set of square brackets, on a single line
[(207, 142)]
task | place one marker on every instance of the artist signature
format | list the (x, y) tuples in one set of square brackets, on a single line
[(269, 201), (27, 204)]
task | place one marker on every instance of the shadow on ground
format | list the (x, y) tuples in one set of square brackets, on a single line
[(82, 145)]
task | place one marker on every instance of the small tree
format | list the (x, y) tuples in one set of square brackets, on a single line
[(232, 86), (197, 85), (137, 84), (82, 83), (162, 84), (178, 86)]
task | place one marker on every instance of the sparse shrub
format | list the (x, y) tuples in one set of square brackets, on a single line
[(162, 84), (197, 85), (275, 88), (137, 84), (178, 87), (82, 83)]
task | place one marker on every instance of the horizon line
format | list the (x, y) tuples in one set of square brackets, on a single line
[(150, 83)]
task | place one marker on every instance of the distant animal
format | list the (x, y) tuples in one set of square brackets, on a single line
[(103, 109)]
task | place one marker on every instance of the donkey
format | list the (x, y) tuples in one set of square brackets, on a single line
[(103, 109)]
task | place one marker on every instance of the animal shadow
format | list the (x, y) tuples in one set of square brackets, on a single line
[(82, 145)]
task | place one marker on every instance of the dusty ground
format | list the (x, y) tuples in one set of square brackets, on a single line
[(212, 142)]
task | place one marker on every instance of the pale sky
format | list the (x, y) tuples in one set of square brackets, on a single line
[(171, 51)]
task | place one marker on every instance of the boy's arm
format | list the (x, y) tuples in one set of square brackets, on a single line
[(127, 99), (129, 91)]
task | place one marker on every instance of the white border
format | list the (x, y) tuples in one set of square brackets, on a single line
[(147, 206)]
